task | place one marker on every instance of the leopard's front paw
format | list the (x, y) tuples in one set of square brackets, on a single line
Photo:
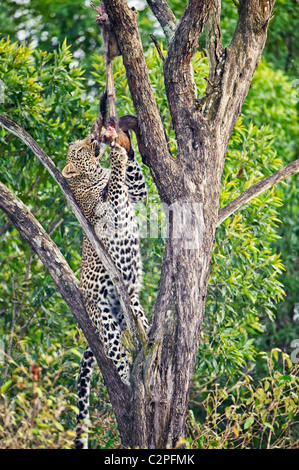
[(118, 154)]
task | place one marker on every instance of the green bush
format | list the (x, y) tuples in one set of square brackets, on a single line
[(37, 406), (244, 287), (250, 413)]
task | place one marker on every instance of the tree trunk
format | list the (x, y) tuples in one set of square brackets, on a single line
[(162, 381), (190, 185)]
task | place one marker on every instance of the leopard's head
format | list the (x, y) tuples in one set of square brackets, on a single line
[(83, 158)]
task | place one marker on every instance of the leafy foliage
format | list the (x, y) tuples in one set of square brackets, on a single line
[(55, 100), (271, 101), (44, 95), (243, 286), (251, 413), (37, 409)]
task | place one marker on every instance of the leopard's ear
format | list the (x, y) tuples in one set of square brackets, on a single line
[(70, 171)]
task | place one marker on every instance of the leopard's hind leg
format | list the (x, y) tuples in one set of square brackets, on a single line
[(138, 311)]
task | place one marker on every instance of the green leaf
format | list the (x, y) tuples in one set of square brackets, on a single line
[(249, 422), (6, 386), (285, 378)]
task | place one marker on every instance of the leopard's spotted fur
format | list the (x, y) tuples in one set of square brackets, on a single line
[(106, 197)]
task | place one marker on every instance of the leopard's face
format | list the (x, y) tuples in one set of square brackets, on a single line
[(83, 159)]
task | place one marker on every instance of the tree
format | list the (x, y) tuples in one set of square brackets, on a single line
[(189, 184)]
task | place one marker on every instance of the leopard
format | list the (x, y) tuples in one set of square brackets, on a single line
[(107, 198)]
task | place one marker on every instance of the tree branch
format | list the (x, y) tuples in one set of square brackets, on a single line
[(101, 251), (189, 30), (165, 16), (162, 57), (258, 188), (178, 73), (214, 46), (68, 286)]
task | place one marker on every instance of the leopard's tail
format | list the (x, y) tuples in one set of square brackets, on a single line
[(86, 368)]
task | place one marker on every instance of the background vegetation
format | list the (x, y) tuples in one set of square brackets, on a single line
[(245, 390)]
